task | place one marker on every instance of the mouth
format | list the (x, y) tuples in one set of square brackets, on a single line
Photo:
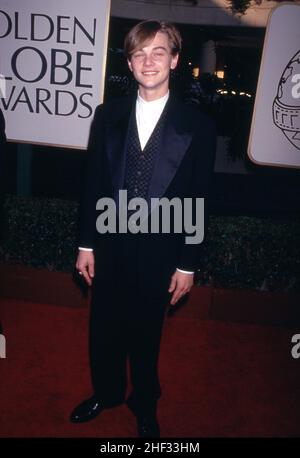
[(150, 73)]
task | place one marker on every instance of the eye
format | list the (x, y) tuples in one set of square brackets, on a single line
[(138, 55)]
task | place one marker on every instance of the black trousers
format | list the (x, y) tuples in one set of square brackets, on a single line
[(126, 322)]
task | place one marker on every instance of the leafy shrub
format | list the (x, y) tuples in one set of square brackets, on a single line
[(241, 251)]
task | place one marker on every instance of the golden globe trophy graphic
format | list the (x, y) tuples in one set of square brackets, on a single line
[(275, 129), (286, 106)]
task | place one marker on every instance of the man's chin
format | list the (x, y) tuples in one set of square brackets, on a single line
[(151, 85)]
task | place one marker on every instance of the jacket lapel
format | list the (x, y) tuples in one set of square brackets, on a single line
[(175, 141)]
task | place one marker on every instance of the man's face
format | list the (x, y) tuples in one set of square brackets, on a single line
[(151, 65)]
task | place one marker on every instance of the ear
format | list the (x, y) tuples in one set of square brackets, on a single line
[(129, 65), (174, 61)]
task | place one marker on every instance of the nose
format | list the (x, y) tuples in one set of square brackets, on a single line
[(148, 61)]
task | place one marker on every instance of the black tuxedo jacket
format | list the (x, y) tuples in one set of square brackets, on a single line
[(183, 168)]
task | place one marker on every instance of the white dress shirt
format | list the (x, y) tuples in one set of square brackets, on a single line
[(147, 116)]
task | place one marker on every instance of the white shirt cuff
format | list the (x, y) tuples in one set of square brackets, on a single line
[(185, 271), (85, 249)]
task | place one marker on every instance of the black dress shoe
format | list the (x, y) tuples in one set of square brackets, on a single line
[(147, 426), (87, 410)]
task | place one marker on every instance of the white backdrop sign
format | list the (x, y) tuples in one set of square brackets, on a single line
[(52, 66), (275, 130)]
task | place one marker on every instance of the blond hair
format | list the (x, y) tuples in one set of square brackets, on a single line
[(145, 31)]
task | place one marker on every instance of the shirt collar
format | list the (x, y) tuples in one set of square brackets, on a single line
[(153, 104)]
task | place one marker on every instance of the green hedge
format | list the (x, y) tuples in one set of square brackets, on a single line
[(241, 252), (40, 232), (251, 252)]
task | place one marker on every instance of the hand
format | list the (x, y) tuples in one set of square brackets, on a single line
[(85, 265), (180, 285)]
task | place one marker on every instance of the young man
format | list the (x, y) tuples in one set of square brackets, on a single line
[(152, 146)]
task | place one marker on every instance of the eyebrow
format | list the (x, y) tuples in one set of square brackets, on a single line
[(160, 47), (154, 49)]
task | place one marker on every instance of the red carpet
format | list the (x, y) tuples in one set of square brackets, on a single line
[(218, 378)]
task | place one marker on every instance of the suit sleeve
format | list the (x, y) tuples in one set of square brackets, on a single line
[(92, 182), (205, 149)]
